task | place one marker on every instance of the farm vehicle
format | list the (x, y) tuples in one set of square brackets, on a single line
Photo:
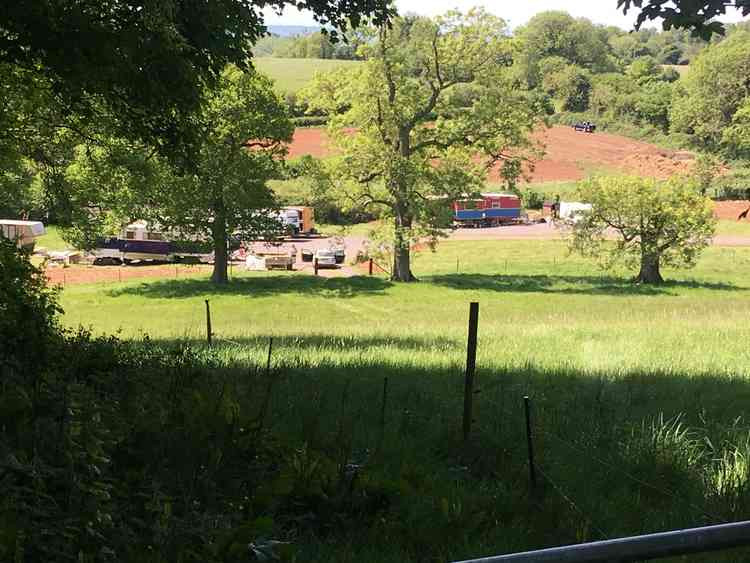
[(585, 126), (297, 220)]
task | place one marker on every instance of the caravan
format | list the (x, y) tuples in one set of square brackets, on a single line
[(24, 233), (143, 242)]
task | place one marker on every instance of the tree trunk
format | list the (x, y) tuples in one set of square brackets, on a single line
[(401, 251), (649, 269)]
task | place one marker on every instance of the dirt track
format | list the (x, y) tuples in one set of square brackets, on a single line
[(730, 210)]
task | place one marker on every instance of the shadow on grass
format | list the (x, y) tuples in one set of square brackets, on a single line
[(584, 285), (313, 341), (257, 287)]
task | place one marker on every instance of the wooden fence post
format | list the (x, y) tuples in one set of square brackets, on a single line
[(383, 405), (208, 323), (268, 361), (315, 266), (471, 361), (370, 267)]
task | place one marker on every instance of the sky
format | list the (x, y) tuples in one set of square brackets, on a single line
[(515, 12)]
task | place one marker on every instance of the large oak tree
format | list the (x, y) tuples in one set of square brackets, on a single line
[(653, 223), (420, 122)]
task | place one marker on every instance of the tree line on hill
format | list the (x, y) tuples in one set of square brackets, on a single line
[(642, 83), (315, 45), (671, 47), (622, 80)]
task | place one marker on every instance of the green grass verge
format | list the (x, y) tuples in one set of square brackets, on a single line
[(734, 228), (52, 240), (545, 308)]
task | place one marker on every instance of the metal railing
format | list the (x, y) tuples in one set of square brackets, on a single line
[(637, 548)]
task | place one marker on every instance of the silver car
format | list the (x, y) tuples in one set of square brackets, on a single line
[(325, 258)]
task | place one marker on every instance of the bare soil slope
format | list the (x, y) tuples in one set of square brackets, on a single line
[(569, 155)]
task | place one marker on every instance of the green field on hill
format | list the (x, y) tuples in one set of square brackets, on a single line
[(640, 394), (290, 75)]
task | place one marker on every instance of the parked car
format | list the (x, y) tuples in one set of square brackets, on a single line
[(326, 258), (307, 255), (340, 255)]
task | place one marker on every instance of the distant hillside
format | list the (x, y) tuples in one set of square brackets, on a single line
[(291, 75), (291, 30)]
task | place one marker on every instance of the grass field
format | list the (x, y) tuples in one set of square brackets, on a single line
[(562, 310), (640, 395), (291, 75), (52, 240)]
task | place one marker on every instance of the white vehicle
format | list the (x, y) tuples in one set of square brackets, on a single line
[(326, 258), (297, 220), (572, 211), (24, 233)]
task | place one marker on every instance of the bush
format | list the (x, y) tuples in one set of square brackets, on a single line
[(532, 199), (28, 326), (734, 185)]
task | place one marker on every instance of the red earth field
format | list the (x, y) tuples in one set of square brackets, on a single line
[(569, 155), (730, 209), (114, 274)]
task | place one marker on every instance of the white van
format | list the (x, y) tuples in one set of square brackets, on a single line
[(23, 232)]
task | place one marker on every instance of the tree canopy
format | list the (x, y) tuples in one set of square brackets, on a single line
[(144, 64), (655, 223), (243, 127), (688, 14), (712, 95)]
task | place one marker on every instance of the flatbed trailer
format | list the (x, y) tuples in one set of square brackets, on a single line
[(280, 262)]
